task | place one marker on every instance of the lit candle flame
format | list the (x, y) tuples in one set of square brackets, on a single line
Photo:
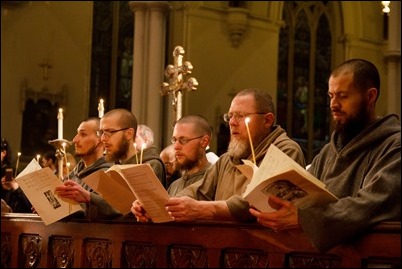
[(17, 163)]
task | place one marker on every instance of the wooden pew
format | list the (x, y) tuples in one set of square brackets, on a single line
[(26, 242)]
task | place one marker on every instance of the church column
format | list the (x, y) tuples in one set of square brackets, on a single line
[(393, 56), (148, 66), (157, 44), (139, 59)]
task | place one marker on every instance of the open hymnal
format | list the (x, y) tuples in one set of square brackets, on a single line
[(121, 185), (280, 175), (38, 185)]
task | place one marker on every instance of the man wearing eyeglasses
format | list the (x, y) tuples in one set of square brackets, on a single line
[(117, 131), (191, 136), (217, 196)]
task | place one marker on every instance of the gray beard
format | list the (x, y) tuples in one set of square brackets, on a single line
[(238, 149)]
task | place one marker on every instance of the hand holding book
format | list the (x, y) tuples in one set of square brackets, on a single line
[(281, 176)]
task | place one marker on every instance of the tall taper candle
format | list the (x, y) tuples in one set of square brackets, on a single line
[(251, 141), (60, 124), (101, 108), (16, 165), (136, 152)]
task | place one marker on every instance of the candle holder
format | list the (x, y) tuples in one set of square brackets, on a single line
[(60, 145)]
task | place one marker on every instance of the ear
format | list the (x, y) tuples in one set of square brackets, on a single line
[(130, 134), (269, 119), (372, 95), (205, 141)]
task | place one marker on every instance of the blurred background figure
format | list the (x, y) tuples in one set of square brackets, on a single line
[(13, 199), (5, 157), (69, 166), (144, 135), (49, 159), (169, 160)]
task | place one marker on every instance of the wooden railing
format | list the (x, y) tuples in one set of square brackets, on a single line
[(27, 243)]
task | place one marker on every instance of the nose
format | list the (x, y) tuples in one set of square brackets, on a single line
[(334, 103), (176, 145)]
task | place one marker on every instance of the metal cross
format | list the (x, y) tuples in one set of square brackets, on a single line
[(178, 81)]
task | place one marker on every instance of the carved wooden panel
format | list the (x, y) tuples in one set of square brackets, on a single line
[(244, 258), (139, 255), (188, 256), (61, 252), (307, 260), (98, 253), (381, 262), (31, 249), (6, 250)]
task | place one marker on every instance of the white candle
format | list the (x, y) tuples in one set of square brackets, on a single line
[(65, 160), (144, 145), (17, 163), (101, 108), (136, 152), (251, 141), (60, 124), (37, 157)]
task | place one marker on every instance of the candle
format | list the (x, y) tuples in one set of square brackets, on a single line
[(251, 141), (136, 152), (68, 169), (60, 124), (101, 108), (65, 160), (144, 145), (37, 157), (17, 163)]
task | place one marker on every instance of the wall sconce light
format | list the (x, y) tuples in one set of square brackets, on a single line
[(385, 10), (385, 5), (237, 18)]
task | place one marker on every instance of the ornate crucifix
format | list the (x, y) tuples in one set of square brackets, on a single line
[(178, 81)]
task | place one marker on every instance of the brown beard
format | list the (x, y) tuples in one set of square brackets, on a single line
[(353, 125), (120, 153), (188, 163)]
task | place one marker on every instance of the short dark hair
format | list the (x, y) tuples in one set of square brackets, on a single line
[(202, 127), (50, 155), (4, 144), (263, 100), (365, 74), (126, 118)]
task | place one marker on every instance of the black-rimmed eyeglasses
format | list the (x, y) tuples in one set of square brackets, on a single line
[(239, 116), (109, 133), (183, 140)]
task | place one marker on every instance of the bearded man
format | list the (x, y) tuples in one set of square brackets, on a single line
[(191, 137), (361, 165), (217, 196), (118, 129)]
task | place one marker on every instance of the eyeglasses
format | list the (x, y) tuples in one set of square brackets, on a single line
[(109, 133), (239, 116), (170, 164), (183, 140)]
